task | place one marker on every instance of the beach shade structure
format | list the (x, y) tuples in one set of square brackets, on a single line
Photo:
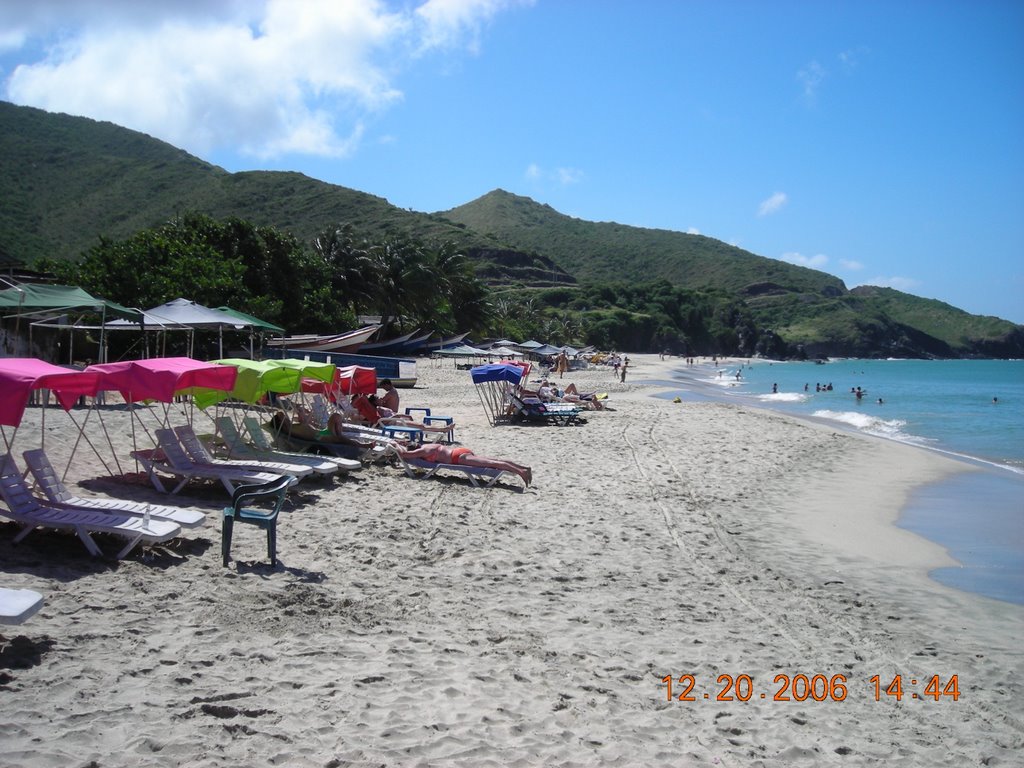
[(254, 380), (525, 366), (163, 378), (504, 352), (182, 314), (53, 305), (19, 376), (348, 380), (545, 350), (357, 380), (493, 383), (255, 326), (308, 368)]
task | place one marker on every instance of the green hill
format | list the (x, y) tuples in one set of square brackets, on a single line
[(805, 307), (66, 181), (602, 252), (71, 180)]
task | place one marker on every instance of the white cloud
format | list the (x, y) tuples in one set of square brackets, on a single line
[(850, 59), (449, 22), (815, 262), (263, 78), (773, 204), (811, 78), (562, 176), (852, 266), (567, 176), (693, 231), (899, 283)]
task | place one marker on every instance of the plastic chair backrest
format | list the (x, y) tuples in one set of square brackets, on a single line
[(278, 487)]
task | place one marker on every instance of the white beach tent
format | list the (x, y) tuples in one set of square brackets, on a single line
[(503, 352), (185, 315)]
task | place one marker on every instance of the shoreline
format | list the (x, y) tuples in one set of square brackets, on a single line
[(959, 567), (426, 622)]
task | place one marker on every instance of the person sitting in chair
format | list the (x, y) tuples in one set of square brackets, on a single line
[(390, 398), (281, 424), (438, 453)]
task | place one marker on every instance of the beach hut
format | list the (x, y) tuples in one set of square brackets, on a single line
[(493, 382)]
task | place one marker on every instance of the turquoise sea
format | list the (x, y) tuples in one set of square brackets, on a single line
[(970, 409)]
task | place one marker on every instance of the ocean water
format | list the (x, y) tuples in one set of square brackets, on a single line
[(970, 409)]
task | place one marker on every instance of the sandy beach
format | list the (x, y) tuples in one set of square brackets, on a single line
[(428, 622)]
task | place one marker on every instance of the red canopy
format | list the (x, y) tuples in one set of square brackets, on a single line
[(20, 375), (350, 380), (161, 378)]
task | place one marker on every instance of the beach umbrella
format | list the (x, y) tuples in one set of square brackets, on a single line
[(493, 382)]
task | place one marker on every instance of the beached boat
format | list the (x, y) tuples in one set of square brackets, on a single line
[(341, 342), (387, 347), (445, 342)]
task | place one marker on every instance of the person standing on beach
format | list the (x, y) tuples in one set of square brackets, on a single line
[(562, 363), (625, 365)]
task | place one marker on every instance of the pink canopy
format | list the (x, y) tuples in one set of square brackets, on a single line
[(161, 378), (20, 375)]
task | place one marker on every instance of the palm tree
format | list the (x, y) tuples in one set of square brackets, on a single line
[(349, 265), (403, 282)]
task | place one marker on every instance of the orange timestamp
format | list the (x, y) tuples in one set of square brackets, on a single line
[(802, 687)]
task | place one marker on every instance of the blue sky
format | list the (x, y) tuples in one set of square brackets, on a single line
[(882, 142)]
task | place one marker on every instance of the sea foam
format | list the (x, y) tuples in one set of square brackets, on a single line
[(891, 428)]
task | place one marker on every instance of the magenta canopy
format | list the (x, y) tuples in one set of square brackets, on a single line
[(161, 378), (20, 375)]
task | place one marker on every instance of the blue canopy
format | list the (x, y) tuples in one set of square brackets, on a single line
[(497, 372)]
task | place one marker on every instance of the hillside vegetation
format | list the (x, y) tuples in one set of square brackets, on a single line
[(608, 252), (70, 184)]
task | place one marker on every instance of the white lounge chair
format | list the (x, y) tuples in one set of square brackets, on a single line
[(31, 513), (484, 477), (50, 484), (340, 452), (170, 459), (238, 448), (200, 454), (18, 605)]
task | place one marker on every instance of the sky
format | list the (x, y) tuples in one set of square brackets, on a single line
[(882, 142)]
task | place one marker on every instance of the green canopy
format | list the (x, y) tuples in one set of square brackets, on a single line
[(253, 321), (32, 298), (258, 377), (309, 369)]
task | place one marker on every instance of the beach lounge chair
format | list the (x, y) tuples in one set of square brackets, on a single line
[(531, 409), (50, 484), (18, 605), (320, 447), (170, 459), (421, 470), (31, 513), (238, 448), (265, 519), (200, 454), (345, 460)]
